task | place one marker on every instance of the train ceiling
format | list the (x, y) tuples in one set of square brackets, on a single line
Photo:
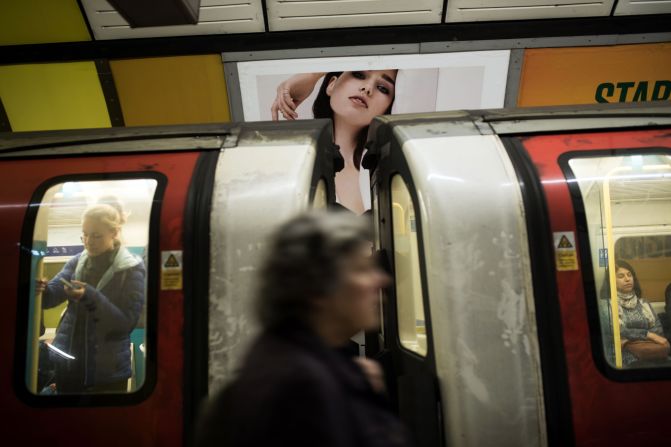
[(47, 21)]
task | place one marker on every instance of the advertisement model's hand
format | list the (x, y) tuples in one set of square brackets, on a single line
[(291, 93)]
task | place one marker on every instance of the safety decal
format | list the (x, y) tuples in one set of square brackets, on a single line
[(171, 270), (566, 256)]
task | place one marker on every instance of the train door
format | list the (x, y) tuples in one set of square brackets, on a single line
[(464, 333), (270, 175), (129, 388), (604, 198), (411, 373)]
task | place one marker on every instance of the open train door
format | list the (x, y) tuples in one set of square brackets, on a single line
[(271, 172), (403, 345), (460, 316)]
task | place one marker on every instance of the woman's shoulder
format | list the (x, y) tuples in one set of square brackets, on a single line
[(277, 358), (73, 261), (125, 259)]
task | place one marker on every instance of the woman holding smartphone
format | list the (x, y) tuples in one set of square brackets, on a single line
[(104, 288)]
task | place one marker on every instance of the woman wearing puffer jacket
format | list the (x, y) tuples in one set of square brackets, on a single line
[(104, 288)]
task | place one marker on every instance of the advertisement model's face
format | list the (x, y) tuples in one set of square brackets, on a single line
[(359, 96)]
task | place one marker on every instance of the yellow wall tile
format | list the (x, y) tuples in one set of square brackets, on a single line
[(41, 21), (53, 96), (172, 90)]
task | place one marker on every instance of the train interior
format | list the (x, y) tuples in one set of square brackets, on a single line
[(58, 237), (627, 199)]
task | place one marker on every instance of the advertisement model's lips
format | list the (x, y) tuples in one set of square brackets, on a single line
[(359, 101)]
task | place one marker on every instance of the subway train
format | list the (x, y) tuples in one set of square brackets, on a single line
[(498, 227)]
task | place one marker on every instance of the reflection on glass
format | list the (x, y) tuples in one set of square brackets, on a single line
[(87, 306), (410, 306), (627, 203)]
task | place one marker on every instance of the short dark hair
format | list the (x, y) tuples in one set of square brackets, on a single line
[(321, 108), (304, 262)]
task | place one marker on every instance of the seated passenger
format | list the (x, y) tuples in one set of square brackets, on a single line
[(319, 286), (641, 334), (104, 287)]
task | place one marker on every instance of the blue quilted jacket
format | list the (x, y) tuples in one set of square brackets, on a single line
[(110, 311)]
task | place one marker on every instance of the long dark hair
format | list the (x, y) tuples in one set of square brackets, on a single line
[(321, 108), (619, 263)]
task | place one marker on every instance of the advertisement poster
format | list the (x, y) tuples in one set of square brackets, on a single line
[(593, 75), (353, 90)]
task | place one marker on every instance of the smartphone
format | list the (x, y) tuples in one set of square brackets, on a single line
[(69, 284)]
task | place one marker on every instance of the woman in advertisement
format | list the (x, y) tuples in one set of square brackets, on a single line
[(351, 99)]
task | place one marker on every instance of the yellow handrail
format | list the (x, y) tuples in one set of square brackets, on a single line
[(36, 319), (610, 243)]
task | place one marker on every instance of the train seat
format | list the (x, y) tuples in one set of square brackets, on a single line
[(654, 274)]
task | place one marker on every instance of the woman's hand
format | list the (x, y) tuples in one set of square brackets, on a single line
[(658, 339), (373, 372), (78, 293), (291, 93), (40, 285)]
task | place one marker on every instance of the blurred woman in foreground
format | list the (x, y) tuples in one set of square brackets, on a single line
[(319, 287)]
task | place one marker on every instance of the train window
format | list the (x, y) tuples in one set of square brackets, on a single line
[(410, 307), (86, 328), (627, 201), (319, 202)]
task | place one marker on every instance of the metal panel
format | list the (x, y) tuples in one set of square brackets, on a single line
[(542, 42), (5, 125), (311, 14), (170, 12), (481, 10), (233, 89), (577, 123), (259, 184), (480, 289), (216, 17), (300, 53), (513, 82), (629, 7)]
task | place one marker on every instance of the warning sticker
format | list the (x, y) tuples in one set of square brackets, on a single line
[(566, 256), (171, 270)]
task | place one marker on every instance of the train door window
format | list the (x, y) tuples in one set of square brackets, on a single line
[(410, 307), (320, 199), (627, 202), (88, 284), (375, 205)]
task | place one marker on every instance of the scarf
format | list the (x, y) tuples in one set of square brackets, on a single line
[(629, 301), (96, 266)]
